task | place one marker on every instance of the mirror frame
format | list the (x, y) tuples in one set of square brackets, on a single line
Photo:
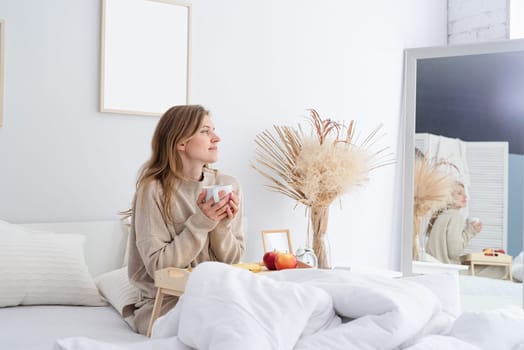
[(411, 56), (2, 46), (144, 65)]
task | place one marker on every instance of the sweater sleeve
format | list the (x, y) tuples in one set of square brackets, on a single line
[(458, 236), (157, 246), (227, 239)]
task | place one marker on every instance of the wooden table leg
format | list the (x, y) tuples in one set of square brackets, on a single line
[(510, 272), (156, 310), (472, 269)]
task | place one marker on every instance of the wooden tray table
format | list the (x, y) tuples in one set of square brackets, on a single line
[(473, 259), (172, 281)]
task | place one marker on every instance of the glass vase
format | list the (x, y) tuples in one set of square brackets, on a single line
[(319, 221)]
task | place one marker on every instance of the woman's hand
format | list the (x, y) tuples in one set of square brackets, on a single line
[(227, 206), (477, 226), (233, 203)]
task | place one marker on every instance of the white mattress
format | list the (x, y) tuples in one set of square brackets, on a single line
[(482, 293), (37, 327)]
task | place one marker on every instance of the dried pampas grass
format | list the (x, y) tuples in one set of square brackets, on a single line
[(325, 171), (318, 168), (432, 187), (432, 191)]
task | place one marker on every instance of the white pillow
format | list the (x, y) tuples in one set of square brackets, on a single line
[(119, 292), (44, 268)]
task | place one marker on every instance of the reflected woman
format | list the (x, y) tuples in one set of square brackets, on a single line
[(448, 233)]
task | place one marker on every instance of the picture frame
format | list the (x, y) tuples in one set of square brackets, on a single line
[(144, 56), (2, 45), (278, 240)]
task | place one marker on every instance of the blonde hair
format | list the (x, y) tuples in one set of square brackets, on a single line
[(449, 205), (177, 124)]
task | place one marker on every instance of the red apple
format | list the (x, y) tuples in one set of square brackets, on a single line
[(285, 261), (269, 259)]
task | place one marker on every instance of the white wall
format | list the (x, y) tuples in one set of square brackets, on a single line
[(254, 64), (516, 16)]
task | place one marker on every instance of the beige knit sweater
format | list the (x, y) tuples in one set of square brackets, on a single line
[(449, 236), (194, 238)]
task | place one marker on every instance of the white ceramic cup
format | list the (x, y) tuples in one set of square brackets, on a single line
[(212, 191), (473, 220)]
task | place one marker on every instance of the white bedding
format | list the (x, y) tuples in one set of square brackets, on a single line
[(37, 327), (483, 293), (228, 308), (389, 313)]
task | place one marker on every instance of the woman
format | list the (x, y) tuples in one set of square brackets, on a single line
[(448, 232), (172, 225)]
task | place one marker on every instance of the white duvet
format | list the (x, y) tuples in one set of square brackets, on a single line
[(229, 308)]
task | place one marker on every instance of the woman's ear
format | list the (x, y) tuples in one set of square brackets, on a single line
[(181, 146)]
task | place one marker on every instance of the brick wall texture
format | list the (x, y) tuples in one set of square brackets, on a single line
[(477, 20)]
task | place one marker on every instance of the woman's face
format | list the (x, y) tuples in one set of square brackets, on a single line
[(459, 197), (202, 147)]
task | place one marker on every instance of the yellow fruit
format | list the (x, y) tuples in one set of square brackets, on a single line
[(253, 267)]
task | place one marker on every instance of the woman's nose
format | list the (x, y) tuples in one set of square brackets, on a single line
[(215, 138)]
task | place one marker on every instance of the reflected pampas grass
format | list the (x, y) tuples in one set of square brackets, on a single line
[(317, 168), (432, 191)]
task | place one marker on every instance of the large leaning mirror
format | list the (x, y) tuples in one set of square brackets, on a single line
[(2, 25), (145, 56), (463, 162)]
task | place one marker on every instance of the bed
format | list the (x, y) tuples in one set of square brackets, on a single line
[(225, 307), (479, 293), (483, 293), (89, 258)]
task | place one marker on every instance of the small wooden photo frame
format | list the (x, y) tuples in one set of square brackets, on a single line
[(278, 240)]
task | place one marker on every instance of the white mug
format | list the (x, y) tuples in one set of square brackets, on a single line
[(473, 220), (212, 191)]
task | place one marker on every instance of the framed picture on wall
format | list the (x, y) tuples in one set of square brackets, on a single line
[(2, 39), (278, 240), (145, 56)]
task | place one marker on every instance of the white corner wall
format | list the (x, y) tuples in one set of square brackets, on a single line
[(254, 64)]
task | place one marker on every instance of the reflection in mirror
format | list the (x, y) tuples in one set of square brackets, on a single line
[(145, 49), (464, 158)]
